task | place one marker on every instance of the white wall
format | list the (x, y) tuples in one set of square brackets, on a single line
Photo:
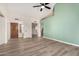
[(27, 27), (3, 37)]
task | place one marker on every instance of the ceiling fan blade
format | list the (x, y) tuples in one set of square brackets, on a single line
[(47, 7), (37, 6), (41, 9), (46, 3), (42, 4)]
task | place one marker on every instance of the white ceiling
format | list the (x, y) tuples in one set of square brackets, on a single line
[(19, 10)]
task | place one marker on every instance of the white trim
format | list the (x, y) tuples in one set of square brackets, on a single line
[(62, 41)]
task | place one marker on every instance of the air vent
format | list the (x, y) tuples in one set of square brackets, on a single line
[(16, 19)]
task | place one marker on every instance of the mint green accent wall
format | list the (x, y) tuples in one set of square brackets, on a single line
[(64, 25)]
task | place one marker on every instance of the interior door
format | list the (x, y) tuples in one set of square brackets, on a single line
[(14, 30)]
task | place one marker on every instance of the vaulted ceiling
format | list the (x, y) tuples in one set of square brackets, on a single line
[(24, 10)]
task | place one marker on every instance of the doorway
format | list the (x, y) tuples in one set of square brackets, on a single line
[(14, 30), (34, 30), (42, 32)]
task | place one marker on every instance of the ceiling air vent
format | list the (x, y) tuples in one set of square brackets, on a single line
[(16, 19)]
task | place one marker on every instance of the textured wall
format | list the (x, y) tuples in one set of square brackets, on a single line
[(64, 25)]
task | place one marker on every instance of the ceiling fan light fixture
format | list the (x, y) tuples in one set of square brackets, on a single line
[(42, 7)]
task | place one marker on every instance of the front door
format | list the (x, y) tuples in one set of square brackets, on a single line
[(14, 30)]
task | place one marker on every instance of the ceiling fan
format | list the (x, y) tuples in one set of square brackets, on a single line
[(43, 5)]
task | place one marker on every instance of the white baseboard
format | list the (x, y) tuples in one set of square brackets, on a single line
[(62, 41), (3, 42)]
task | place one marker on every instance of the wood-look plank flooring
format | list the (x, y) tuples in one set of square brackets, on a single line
[(37, 47)]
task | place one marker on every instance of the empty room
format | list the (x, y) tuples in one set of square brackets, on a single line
[(39, 29)]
